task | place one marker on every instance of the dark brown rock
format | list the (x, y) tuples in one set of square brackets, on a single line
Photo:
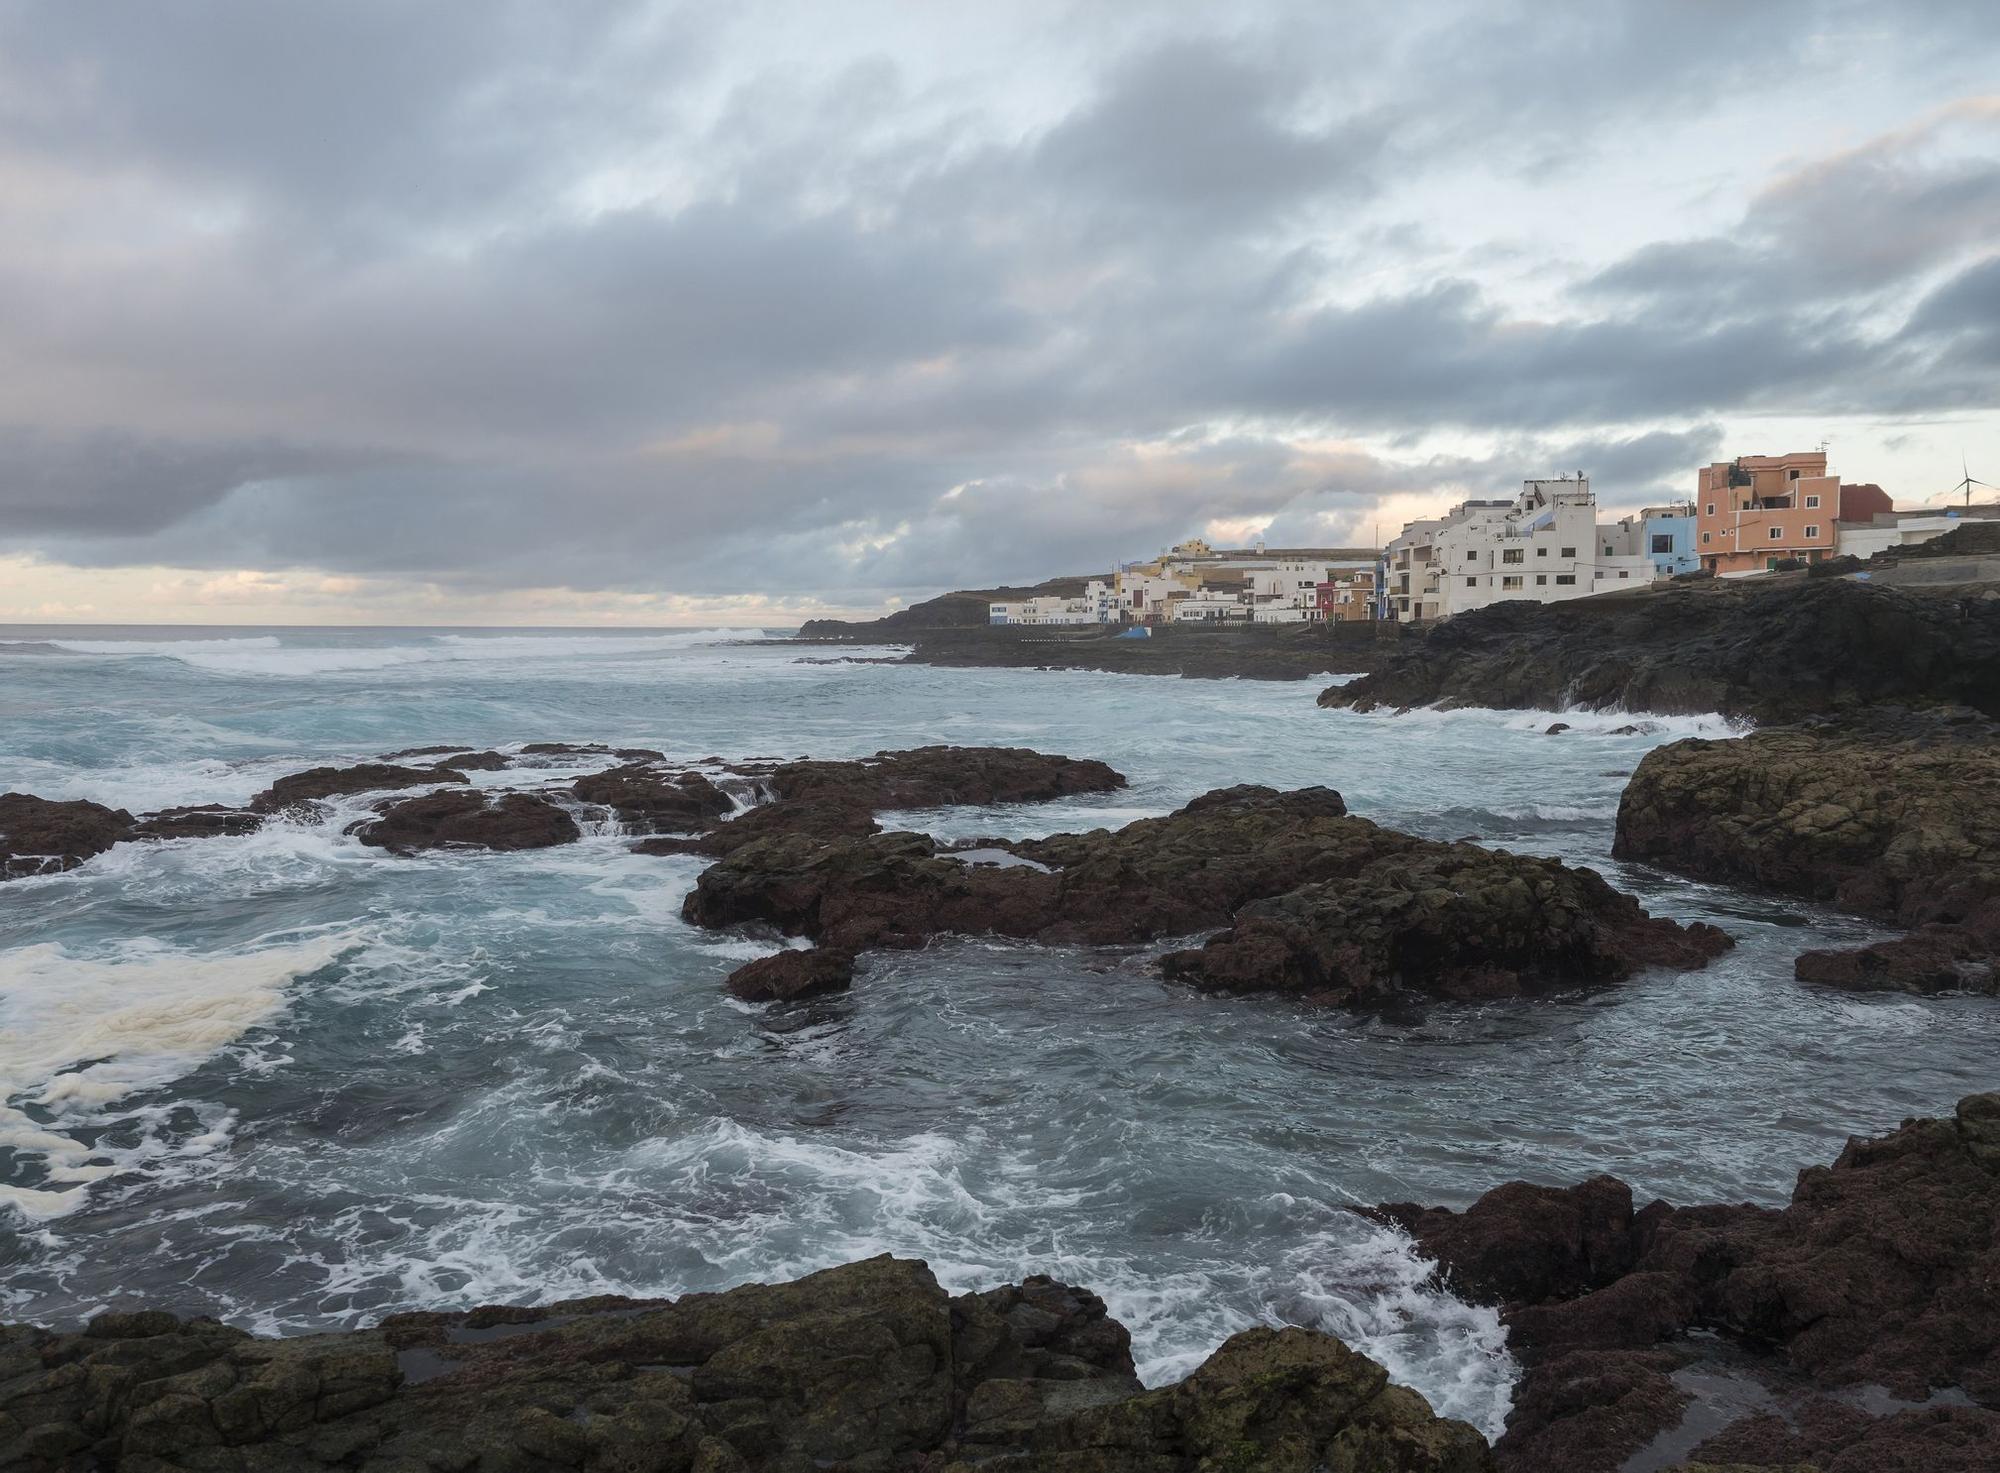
[(1197, 869), (204, 821), (468, 820), (1895, 815), (931, 777), (332, 782), (43, 836), (650, 799), (1881, 1272), (866, 1367), (793, 974)]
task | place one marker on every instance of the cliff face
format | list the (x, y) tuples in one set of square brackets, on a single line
[(868, 1368), (1770, 649)]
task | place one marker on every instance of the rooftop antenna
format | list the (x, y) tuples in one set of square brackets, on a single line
[(1967, 481)]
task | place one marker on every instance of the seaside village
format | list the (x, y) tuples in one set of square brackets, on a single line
[(1755, 514)]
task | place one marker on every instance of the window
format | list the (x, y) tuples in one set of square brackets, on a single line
[(1811, 502), (1792, 474), (1607, 549), (1541, 552), (1510, 555), (1472, 583), (1623, 574), (1776, 533), (1472, 557), (1706, 538), (1569, 552), (1711, 509), (1663, 542), (1812, 532), (1513, 582), (1540, 579), (1565, 578)]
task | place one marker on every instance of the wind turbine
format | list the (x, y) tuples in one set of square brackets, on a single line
[(1967, 481)]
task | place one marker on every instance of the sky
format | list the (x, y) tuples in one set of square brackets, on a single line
[(621, 312)]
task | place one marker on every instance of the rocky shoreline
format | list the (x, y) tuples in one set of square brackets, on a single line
[(1772, 649), (1852, 1330), (867, 1368)]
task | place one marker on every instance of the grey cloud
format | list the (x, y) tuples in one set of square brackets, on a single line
[(809, 316)]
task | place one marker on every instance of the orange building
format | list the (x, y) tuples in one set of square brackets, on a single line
[(1757, 510)]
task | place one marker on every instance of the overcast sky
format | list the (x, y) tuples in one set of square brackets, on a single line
[(603, 310)]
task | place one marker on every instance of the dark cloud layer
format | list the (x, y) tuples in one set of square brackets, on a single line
[(596, 295)]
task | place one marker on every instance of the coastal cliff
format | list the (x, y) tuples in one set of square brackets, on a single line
[(1770, 649)]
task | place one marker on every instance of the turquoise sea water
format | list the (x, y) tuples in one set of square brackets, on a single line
[(298, 1083)]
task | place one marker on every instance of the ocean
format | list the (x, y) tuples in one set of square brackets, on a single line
[(297, 1083)]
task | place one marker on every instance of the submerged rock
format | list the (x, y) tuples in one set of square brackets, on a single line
[(468, 820), (866, 1367), (1878, 1274), (1895, 815), (1351, 910), (41, 836), (1774, 650), (333, 782)]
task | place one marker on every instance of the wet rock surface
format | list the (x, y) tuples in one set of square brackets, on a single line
[(469, 820), (1894, 814), (334, 782), (41, 836), (1447, 919), (793, 974), (1856, 1328), (1774, 649), (857, 1369)]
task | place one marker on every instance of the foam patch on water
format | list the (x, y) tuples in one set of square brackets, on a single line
[(83, 1032)]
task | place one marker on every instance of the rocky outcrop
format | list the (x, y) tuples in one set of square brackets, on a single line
[(1878, 1274), (333, 782), (1771, 649), (1448, 920), (40, 836), (1894, 815), (468, 820), (857, 1369), (1455, 921), (793, 974), (681, 809), (651, 800)]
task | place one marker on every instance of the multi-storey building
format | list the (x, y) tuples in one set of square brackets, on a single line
[(1757, 511)]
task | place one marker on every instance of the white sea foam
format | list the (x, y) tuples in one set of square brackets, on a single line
[(268, 655), (83, 1032)]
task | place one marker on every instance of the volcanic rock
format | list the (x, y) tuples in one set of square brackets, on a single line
[(202, 821), (793, 974), (468, 820), (40, 836), (1895, 815), (931, 777), (331, 782), (1197, 869), (651, 799), (1454, 921), (1772, 649), (1880, 1273), (866, 1367)]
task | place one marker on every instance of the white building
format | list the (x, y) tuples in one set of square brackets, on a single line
[(1902, 529), (1544, 546)]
